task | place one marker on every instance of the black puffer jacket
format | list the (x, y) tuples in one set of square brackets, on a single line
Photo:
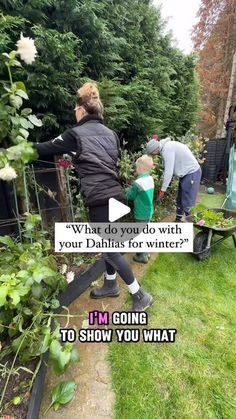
[(95, 150)]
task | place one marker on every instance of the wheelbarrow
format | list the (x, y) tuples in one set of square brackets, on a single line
[(203, 241)]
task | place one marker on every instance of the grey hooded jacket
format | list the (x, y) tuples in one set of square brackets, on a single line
[(178, 159)]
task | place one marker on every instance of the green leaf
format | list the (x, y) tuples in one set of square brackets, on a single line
[(20, 139), (14, 152), (7, 89), (3, 294), (55, 348), (15, 63), (63, 393), (23, 274), (6, 55), (46, 342), (60, 356), (15, 120), (16, 101), (55, 303), (35, 121), (17, 400), (25, 123), (27, 311), (8, 241), (38, 274), (22, 93), (20, 85), (5, 278), (20, 341), (12, 55), (37, 290), (47, 245), (33, 218), (42, 272), (14, 294), (24, 132), (26, 111)]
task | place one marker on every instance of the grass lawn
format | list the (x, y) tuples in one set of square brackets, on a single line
[(213, 201), (196, 376)]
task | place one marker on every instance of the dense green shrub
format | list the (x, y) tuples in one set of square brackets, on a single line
[(147, 84)]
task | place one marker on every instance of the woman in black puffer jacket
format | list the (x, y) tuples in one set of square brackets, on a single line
[(96, 150)]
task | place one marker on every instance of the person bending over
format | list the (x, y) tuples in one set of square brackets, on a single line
[(178, 161)]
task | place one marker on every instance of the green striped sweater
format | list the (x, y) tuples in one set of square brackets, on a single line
[(141, 192)]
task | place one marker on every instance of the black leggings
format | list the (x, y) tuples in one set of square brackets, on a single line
[(114, 261)]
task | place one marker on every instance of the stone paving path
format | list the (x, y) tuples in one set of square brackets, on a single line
[(94, 396)]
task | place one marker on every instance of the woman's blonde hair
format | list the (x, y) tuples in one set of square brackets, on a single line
[(144, 162), (88, 97)]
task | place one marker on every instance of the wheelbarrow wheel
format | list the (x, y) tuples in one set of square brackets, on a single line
[(199, 244)]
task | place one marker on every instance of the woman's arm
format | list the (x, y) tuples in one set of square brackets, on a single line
[(62, 144)]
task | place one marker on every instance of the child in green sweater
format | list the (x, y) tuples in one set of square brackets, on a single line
[(141, 193)]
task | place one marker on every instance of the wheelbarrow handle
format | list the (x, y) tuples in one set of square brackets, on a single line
[(210, 234)]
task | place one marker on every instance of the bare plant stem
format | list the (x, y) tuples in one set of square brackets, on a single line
[(14, 361)]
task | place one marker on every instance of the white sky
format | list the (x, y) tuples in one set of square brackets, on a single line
[(182, 17)]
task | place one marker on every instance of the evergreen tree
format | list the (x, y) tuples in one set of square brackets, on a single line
[(147, 84)]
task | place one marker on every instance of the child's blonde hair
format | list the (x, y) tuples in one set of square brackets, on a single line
[(144, 162)]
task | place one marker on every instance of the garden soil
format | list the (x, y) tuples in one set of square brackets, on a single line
[(18, 386), (94, 395)]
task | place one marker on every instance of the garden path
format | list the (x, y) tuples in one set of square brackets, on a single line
[(94, 395)]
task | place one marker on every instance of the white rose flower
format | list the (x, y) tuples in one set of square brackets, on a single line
[(7, 173), (70, 276), (26, 49), (63, 269)]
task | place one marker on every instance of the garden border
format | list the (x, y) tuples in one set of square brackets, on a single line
[(73, 291)]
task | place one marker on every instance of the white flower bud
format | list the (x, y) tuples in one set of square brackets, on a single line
[(7, 173), (63, 269)]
